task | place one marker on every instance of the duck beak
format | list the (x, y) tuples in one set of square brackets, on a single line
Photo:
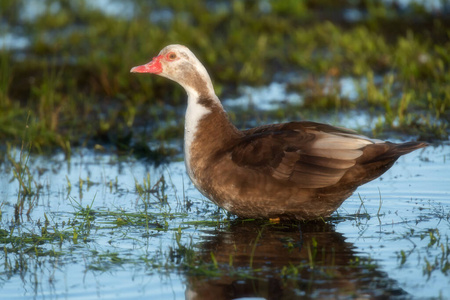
[(154, 67)]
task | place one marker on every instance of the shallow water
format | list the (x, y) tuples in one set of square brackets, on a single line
[(389, 239), (105, 226)]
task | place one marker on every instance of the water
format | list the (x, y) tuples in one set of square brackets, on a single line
[(358, 251), (268, 97), (88, 232)]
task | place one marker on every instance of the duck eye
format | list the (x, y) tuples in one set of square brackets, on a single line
[(171, 56)]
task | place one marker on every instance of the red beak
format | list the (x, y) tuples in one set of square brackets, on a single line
[(154, 67)]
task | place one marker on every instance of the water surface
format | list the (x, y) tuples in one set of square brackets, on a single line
[(389, 239)]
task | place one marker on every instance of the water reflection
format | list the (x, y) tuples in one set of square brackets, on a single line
[(287, 261)]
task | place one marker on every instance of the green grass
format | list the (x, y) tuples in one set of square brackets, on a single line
[(71, 87), (73, 83)]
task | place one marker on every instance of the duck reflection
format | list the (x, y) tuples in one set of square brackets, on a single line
[(287, 261)]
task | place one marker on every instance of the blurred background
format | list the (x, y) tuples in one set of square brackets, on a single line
[(87, 210), (65, 81)]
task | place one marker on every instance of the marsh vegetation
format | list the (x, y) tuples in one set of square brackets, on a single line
[(94, 199)]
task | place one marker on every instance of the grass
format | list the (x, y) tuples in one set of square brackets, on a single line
[(73, 84), (434, 243), (71, 89), (83, 225)]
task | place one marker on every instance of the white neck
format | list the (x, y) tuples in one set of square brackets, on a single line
[(198, 82), (194, 113)]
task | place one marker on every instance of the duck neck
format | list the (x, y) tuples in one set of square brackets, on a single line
[(195, 112), (207, 129)]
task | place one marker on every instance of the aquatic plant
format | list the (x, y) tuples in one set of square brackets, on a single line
[(67, 86)]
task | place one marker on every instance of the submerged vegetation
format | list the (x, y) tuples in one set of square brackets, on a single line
[(65, 65), (65, 85), (106, 222)]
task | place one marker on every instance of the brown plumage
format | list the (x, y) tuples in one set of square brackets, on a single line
[(297, 170)]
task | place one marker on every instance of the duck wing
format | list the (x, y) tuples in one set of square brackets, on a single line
[(309, 154)]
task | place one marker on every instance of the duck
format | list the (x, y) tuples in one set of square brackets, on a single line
[(296, 170)]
